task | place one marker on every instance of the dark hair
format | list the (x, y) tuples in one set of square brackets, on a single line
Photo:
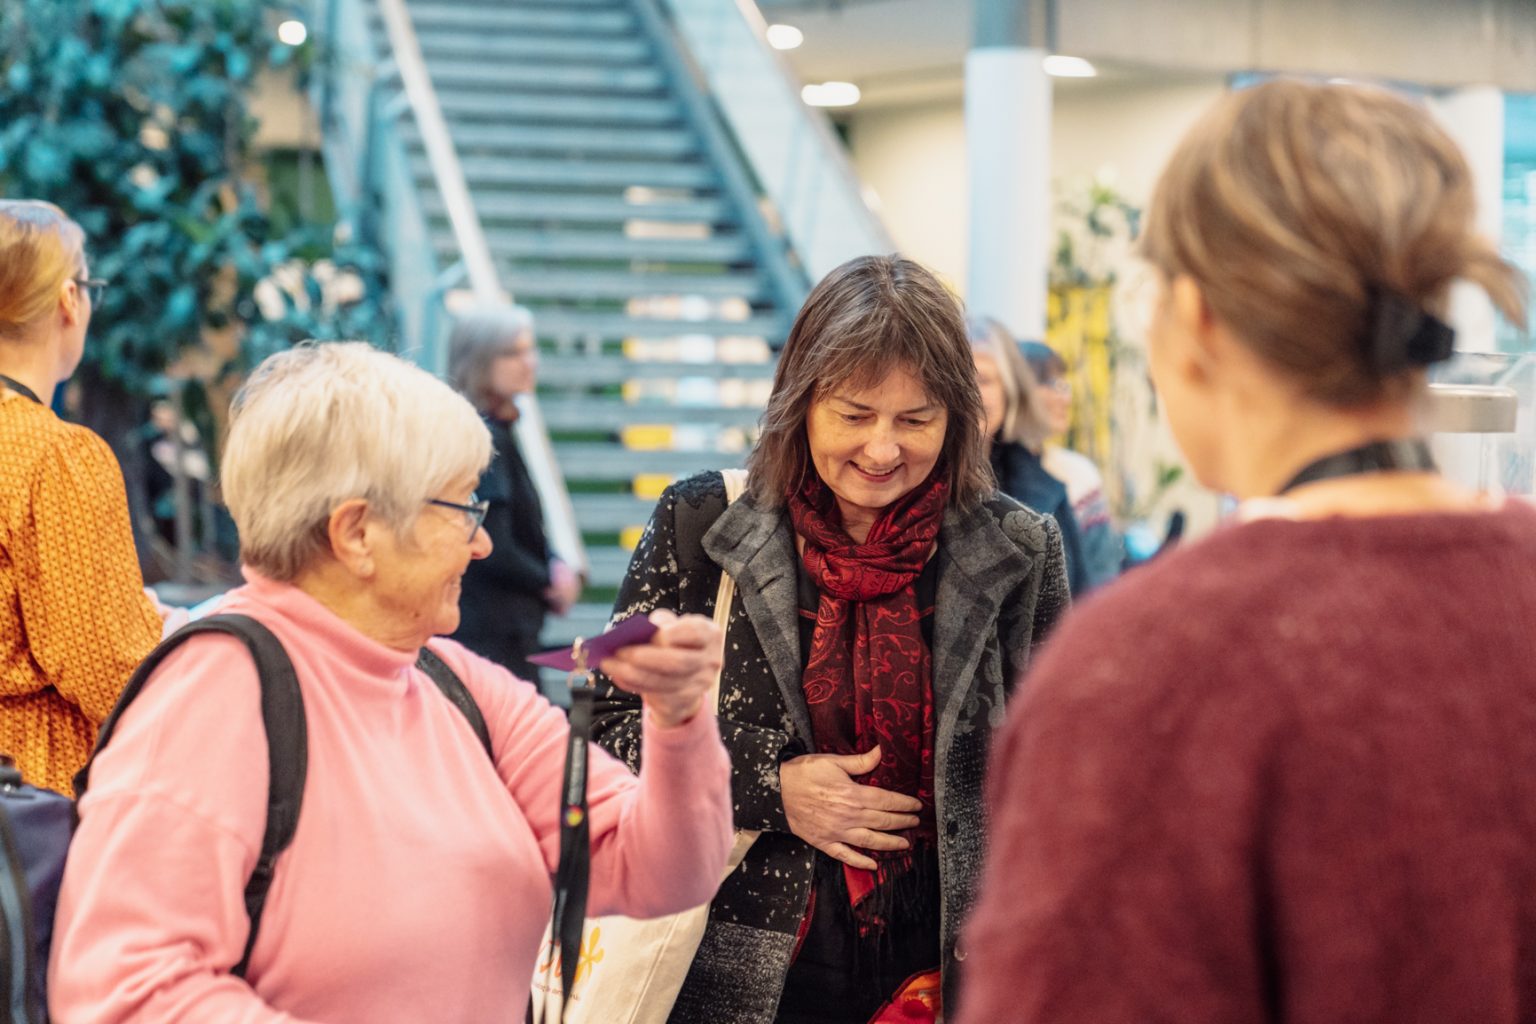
[(1046, 362), (866, 318), (1305, 213)]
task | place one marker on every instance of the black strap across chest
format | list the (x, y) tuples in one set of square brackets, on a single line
[(282, 717), (1410, 455)]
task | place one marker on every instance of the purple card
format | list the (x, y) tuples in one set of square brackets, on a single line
[(636, 629)]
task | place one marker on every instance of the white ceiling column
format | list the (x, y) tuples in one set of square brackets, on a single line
[(1008, 137)]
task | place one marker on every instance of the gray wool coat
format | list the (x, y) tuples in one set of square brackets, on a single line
[(1001, 585)]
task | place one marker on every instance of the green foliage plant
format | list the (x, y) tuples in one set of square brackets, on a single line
[(1096, 229), (133, 116)]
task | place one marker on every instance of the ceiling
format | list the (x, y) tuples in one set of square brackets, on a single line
[(880, 45), (905, 52)]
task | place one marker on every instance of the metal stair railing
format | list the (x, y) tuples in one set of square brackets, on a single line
[(789, 281), (477, 265), (801, 166)]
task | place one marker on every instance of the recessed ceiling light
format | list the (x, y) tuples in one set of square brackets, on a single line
[(784, 37), (1058, 66), (831, 94), (292, 32)]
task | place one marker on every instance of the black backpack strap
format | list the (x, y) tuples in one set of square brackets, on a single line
[(458, 694), (282, 715)]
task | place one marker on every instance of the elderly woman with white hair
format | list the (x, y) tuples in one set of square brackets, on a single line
[(417, 883)]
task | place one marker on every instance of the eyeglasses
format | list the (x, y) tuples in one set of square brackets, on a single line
[(1061, 385), (94, 286), (474, 512)]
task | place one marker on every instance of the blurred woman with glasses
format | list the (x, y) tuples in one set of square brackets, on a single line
[(74, 617), (492, 360), (1102, 547), (1288, 772)]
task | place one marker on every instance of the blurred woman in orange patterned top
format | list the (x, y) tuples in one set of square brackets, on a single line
[(74, 617)]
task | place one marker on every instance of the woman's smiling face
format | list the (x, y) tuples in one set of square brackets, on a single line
[(873, 445)]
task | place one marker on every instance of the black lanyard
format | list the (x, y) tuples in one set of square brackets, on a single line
[(573, 874), (20, 388), (1403, 455)]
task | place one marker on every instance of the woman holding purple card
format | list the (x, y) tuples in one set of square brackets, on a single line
[(886, 598), (416, 885)]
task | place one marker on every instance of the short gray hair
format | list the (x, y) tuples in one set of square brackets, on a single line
[(480, 335), (321, 424)]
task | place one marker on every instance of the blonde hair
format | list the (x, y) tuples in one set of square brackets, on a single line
[(479, 336), (1297, 208), (1023, 420), (866, 318), (321, 424), (40, 249)]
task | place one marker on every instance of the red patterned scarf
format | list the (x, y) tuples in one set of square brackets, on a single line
[(870, 675)]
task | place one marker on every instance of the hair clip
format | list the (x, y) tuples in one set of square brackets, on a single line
[(1403, 335)]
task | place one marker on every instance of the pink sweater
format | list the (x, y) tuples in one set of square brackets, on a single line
[(417, 886)]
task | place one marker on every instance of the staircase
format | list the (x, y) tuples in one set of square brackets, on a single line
[(618, 213)]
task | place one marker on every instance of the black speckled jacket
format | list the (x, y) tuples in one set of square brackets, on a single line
[(1001, 585)]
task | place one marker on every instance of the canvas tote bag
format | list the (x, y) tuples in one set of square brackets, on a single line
[(630, 971)]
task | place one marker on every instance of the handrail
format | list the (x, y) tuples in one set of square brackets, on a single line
[(442, 156), (484, 281), (788, 282), (803, 168)]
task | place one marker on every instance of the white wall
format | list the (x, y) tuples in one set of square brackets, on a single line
[(1126, 129), (913, 158)]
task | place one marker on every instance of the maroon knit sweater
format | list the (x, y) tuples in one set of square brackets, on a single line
[(1287, 774)]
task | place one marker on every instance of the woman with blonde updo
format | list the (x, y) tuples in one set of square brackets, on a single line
[(1288, 773), (74, 617)]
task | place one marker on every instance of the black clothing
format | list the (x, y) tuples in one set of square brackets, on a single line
[(1021, 476), (501, 609), (834, 977)]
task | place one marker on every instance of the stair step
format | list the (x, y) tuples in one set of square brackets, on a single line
[(612, 51), (613, 462), (515, 19), (578, 285), (485, 173), (525, 139), (610, 513), (563, 323), (592, 414), (562, 631), (624, 111), (557, 371), (463, 75), (544, 246), (607, 565), (482, 4), (502, 208)]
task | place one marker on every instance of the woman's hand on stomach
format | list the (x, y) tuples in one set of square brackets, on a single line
[(836, 814)]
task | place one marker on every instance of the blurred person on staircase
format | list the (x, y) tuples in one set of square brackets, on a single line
[(493, 358)]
